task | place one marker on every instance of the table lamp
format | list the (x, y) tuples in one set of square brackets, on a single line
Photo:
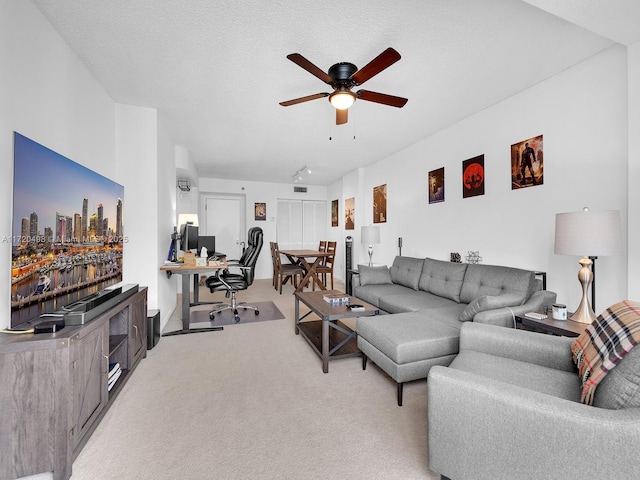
[(587, 234), (370, 234)]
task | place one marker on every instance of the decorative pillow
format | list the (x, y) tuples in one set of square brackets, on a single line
[(489, 302), (406, 271), (374, 275)]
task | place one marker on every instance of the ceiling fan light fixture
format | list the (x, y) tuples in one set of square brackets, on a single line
[(342, 99)]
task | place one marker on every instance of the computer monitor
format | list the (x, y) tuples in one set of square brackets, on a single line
[(208, 241), (188, 237)]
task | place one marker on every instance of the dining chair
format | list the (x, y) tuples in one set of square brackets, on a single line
[(326, 268), (284, 271), (273, 263)]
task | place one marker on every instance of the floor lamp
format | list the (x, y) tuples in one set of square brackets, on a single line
[(370, 235), (587, 234)]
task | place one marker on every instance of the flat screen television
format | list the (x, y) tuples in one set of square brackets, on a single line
[(67, 231)]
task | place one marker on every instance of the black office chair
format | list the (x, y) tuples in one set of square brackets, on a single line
[(234, 282), (252, 240)]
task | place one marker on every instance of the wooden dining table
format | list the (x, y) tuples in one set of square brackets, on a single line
[(309, 261)]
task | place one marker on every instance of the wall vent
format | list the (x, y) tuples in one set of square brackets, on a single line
[(300, 189)]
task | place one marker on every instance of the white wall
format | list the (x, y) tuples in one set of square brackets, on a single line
[(136, 156), (166, 211), (582, 114), (633, 289), (47, 95)]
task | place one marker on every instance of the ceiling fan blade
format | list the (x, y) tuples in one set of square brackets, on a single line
[(304, 99), (375, 66), (382, 98), (310, 67), (342, 116)]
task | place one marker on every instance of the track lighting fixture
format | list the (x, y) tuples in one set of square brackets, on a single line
[(297, 177)]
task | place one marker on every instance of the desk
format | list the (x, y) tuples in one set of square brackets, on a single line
[(186, 271), (299, 257)]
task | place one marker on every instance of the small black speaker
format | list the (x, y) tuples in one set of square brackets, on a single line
[(347, 263), (348, 252), (153, 328)]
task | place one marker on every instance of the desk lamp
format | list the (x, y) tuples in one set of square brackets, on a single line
[(370, 234), (587, 234)]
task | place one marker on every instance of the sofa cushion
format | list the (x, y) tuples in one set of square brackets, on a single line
[(373, 293), (406, 271), (489, 302), (480, 280), (409, 337), (442, 278), (620, 388), (374, 275), (414, 301), (558, 383)]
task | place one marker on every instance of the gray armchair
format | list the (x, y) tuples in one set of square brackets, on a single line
[(508, 407)]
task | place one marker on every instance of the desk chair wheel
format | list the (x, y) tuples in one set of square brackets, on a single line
[(212, 316), (257, 312), (236, 318)]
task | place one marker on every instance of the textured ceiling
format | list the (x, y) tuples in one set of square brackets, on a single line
[(216, 70)]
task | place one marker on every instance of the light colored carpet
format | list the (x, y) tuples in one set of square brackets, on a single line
[(251, 402)]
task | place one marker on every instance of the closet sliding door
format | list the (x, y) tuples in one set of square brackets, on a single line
[(301, 223)]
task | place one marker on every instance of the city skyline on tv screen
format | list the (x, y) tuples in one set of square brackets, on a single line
[(53, 186), (67, 231)]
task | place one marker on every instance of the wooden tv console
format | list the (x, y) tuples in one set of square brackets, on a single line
[(53, 387)]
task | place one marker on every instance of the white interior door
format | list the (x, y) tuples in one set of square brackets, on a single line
[(225, 218)]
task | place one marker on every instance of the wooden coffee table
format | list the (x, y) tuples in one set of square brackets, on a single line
[(329, 337)]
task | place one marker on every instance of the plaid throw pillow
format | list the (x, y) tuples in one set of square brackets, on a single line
[(604, 343)]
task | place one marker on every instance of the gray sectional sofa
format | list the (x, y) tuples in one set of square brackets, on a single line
[(508, 407), (429, 300)]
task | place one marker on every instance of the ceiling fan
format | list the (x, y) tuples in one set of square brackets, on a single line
[(343, 77)]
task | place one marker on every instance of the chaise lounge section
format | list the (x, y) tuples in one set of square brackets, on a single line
[(428, 301)]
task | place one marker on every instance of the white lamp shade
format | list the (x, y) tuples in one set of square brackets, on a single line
[(184, 218), (588, 233), (370, 235)]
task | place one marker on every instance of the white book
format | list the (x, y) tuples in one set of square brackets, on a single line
[(113, 379), (113, 368)]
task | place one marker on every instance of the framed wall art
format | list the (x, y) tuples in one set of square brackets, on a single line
[(435, 183), (527, 163), (334, 213), (260, 210), (473, 177), (349, 213), (380, 204)]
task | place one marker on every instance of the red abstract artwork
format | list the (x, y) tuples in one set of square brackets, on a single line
[(473, 177)]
